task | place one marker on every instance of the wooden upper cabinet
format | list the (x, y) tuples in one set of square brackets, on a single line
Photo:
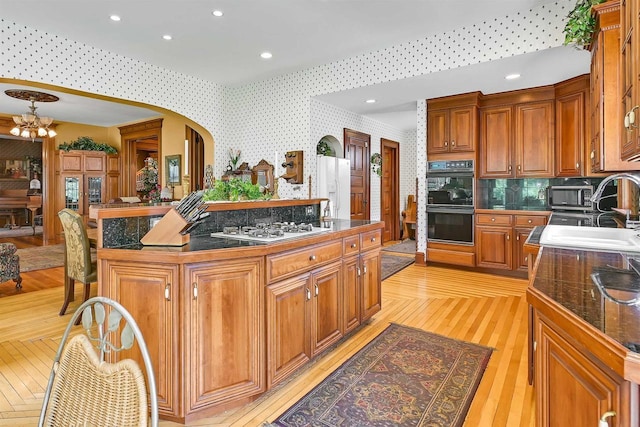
[(452, 124), (629, 79), (570, 134), (534, 139), (496, 143)]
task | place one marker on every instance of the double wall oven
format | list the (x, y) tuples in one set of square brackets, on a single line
[(450, 185)]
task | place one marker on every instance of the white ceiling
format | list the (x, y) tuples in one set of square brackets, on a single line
[(299, 33)]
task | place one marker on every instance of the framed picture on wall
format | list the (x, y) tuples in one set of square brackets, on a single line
[(172, 170), (14, 169)]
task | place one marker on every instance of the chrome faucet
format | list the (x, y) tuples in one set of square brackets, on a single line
[(597, 194)]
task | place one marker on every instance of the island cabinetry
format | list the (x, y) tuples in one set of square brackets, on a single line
[(517, 138), (452, 124), (304, 317), (289, 263), (572, 387), (150, 292), (224, 333), (352, 283), (500, 239)]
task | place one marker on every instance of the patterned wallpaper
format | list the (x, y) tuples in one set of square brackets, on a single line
[(274, 115)]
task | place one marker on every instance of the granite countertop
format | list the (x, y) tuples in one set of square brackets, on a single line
[(206, 242), (564, 275)]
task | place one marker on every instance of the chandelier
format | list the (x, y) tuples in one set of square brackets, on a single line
[(31, 125)]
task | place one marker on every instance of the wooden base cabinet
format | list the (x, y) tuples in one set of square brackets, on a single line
[(217, 356), (304, 317), (225, 357), (572, 388)]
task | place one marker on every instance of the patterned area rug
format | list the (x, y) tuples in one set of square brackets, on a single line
[(391, 264), (406, 247), (404, 377), (41, 257), (25, 230)]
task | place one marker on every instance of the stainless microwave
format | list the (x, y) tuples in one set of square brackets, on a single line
[(578, 198)]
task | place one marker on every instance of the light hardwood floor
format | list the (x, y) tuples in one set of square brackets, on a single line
[(477, 307)]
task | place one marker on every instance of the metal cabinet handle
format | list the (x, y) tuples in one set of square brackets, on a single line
[(577, 165), (195, 290), (167, 294), (508, 238), (603, 420), (493, 220), (312, 258), (353, 245), (359, 272), (364, 267), (526, 259), (519, 168), (453, 143), (530, 221), (308, 294), (316, 285), (509, 168), (373, 239), (446, 144), (593, 154), (518, 237)]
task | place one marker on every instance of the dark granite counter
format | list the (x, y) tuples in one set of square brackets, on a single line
[(564, 275)]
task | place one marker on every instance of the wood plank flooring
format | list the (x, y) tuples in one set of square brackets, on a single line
[(477, 307)]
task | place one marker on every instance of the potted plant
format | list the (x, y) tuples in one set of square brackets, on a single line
[(581, 24)]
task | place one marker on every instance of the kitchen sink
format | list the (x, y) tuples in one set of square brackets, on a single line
[(591, 238)]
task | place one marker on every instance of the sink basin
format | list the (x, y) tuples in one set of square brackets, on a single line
[(591, 238)]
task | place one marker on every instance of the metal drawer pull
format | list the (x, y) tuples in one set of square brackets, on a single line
[(493, 220), (530, 221), (353, 245), (167, 294), (365, 268), (373, 239), (312, 258), (308, 294), (453, 143), (316, 289), (603, 420), (195, 290), (359, 272)]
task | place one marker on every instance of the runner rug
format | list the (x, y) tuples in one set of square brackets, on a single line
[(404, 377), (391, 264)]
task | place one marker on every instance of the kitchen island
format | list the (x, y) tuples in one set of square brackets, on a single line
[(584, 346), (226, 319)]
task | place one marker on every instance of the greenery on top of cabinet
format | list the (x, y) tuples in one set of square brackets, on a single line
[(87, 143), (581, 24)]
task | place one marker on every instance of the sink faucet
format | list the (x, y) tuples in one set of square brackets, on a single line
[(597, 194)]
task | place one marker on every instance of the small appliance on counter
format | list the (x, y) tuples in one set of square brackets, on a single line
[(578, 198)]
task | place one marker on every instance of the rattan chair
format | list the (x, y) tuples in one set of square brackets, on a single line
[(83, 389), (77, 256)]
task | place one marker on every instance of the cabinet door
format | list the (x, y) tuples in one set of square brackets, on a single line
[(437, 132), (288, 323), (371, 279), (494, 247), (327, 311), (94, 191), (534, 139), (570, 134), (462, 129), (521, 258), (570, 389), (73, 192), (225, 333), (352, 292), (630, 60), (495, 142), (150, 293)]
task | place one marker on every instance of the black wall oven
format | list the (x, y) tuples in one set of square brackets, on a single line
[(450, 186)]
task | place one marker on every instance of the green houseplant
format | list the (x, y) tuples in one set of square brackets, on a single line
[(87, 143), (580, 24), (234, 189)]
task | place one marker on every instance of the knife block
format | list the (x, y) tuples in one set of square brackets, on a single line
[(167, 231)]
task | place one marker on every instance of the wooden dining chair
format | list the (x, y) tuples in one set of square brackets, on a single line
[(77, 256)]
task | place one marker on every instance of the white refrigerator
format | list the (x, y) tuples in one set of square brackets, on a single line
[(334, 183)]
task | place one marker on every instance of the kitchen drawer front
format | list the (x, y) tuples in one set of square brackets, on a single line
[(530, 220), (289, 263), (490, 219), (351, 245), (370, 240)]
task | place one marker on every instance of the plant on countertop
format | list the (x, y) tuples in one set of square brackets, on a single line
[(376, 163), (87, 143), (234, 189), (581, 24)]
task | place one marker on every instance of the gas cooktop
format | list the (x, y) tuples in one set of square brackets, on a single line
[(263, 232)]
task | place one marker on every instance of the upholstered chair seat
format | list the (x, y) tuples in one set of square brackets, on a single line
[(9, 264)]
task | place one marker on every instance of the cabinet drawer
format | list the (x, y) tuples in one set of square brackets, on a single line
[(351, 245), (298, 261), (530, 220), (371, 239), (491, 219)]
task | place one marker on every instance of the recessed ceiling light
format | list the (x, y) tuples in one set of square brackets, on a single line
[(370, 101), (512, 76), (167, 37), (217, 13), (115, 18), (266, 55)]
